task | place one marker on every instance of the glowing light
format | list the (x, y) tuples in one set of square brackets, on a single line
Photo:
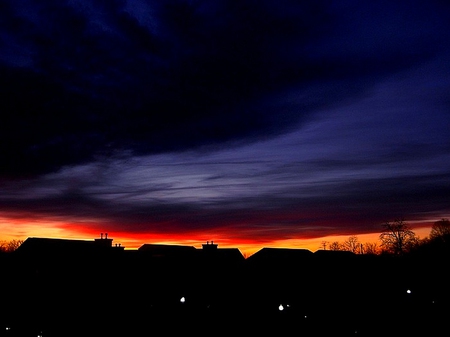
[(280, 307), (182, 299), (408, 291)]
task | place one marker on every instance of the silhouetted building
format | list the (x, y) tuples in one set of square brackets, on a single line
[(209, 246), (172, 251), (52, 246), (334, 254), (280, 255)]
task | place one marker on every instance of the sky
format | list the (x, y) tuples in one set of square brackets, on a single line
[(248, 123)]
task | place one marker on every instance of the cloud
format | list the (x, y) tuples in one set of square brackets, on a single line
[(82, 80), (349, 168), (254, 121)]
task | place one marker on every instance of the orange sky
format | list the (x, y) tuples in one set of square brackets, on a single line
[(20, 229), (288, 136)]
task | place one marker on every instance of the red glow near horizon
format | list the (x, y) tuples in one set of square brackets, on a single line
[(20, 229)]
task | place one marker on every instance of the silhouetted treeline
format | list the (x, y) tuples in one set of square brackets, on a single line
[(133, 293)]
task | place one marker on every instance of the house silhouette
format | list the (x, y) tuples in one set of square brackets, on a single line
[(39, 245), (66, 287)]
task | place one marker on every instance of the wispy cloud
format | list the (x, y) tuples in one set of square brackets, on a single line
[(271, 121)]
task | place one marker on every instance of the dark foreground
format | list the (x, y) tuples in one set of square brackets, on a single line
[(135, 297)]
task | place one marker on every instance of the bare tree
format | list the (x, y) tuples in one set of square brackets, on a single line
[(10, 246), (371, 248), (335, 246), (351, 244), (324, 245), (441, 230), (397, 238)]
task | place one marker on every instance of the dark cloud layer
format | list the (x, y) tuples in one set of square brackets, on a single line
[(82, 79), (250, 120)]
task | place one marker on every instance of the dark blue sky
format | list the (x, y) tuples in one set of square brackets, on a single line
[(249, 121)]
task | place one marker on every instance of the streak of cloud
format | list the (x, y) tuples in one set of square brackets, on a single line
[(259, 120)]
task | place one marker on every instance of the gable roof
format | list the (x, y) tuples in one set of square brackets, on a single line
[(208, 252), (36, 245), (276, 255), (223, 254), (334, 254), (167, 251), (282, 252), (49, 246), (152, 247)]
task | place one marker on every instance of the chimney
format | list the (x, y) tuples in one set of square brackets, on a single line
[(210, 245), (101, 235)]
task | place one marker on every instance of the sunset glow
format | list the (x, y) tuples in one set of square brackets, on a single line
[(20, 229), (249, 124)]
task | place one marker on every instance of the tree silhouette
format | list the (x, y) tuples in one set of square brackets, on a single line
[(10, 246), (352, 244), (370, 248), (441, 230), (335, 245), (397, 238)]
